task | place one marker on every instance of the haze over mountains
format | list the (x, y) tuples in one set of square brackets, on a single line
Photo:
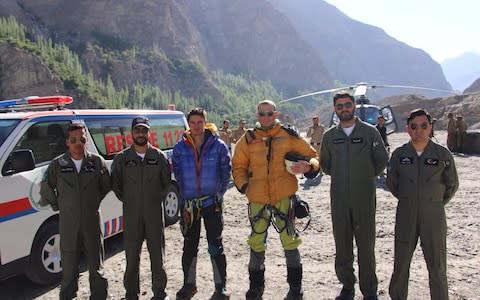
[(298, 46), (463, 70)]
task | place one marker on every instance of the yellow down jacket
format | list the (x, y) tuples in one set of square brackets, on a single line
[(258, 164)]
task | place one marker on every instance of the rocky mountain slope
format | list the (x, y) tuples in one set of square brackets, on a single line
[(354, 52)]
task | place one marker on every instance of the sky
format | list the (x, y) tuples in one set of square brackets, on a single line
[(442, 28)]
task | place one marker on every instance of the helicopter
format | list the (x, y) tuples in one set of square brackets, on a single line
[(363, 109)]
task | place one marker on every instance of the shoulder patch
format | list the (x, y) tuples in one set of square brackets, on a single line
[(291, 130)]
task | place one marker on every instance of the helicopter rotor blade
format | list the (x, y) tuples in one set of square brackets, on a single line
[(316, 93), (414, 87)]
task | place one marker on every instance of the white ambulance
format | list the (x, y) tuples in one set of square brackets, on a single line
[(29, 139)]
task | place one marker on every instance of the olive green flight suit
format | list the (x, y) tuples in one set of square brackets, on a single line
[(77, 196), (354, 162), (423, 185), (141, 185)]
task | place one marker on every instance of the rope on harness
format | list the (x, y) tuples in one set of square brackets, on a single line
[(271, 215)]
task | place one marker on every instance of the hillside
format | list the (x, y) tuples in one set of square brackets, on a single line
[(355, 52), (468, 105)]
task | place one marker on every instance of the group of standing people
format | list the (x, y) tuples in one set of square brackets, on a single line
[(456, 129), (421, 174)]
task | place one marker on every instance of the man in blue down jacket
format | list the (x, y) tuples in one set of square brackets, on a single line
[(202, 166), (422, 175)]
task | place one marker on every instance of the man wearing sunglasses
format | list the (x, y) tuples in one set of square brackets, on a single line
[(74, 184), (353, 154), (422, 175), (260, 172), (140, 179)]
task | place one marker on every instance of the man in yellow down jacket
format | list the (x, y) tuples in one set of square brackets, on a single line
[(260, 172)]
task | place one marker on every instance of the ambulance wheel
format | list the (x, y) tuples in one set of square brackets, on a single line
[(45, 266), (171, 205)]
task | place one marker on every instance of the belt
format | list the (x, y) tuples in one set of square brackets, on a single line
[(203, 201), (313, 144)]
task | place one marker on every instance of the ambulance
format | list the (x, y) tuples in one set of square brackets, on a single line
[(32, 132)]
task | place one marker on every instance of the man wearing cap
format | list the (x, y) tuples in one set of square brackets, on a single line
[(202, 167), (239, 132), (260, 172), (140, 178), (423, 177), (74, 184), (315, 133), (451, 133), (353, 154)]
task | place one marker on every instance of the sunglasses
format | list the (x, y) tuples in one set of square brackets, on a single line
[(342, 105), (265, 113), (74, 140), (140, 129), (414, 126)]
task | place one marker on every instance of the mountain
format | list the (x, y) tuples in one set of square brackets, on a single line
[(238, 36), (176, 45), (355, 52), (474, 87), (461, 71)]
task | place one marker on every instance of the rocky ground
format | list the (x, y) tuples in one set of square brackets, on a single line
[(320, 282)]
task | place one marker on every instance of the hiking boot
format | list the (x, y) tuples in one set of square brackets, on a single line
[(220, 294), (186, 292), (346, 294), (254, 293), (291, 295)]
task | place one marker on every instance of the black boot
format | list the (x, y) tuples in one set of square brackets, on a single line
[(294, 279), (219, 264), (257, 285), (189, 288)]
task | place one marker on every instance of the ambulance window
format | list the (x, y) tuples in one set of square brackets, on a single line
[(6, 127), (113, 135), (46, 140)]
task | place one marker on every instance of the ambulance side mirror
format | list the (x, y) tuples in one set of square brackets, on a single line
[(19, 161)]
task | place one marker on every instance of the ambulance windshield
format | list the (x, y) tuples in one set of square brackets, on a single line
[(6, 127)]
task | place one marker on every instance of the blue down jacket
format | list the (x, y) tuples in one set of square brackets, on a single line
[(204, 174)]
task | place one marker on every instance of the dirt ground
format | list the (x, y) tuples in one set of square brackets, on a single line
[(317, 250)]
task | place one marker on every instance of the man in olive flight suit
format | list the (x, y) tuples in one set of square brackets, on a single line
[(353, 154), (75, 183), (422, 175), (140, 178)]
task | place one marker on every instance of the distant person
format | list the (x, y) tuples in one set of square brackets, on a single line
[(422, 175), (382, 129), (461, 131), (202, 167), (432, 133), (140, 178), (451, 133), (353, 154), (226, 134), (74, 184), (240, 131), (260, 172), (315, 133)]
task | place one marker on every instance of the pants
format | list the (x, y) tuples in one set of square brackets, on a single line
[(156, 248), (94, 253), (432, 231), (362, 228), (258, 238), (213, 222)]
